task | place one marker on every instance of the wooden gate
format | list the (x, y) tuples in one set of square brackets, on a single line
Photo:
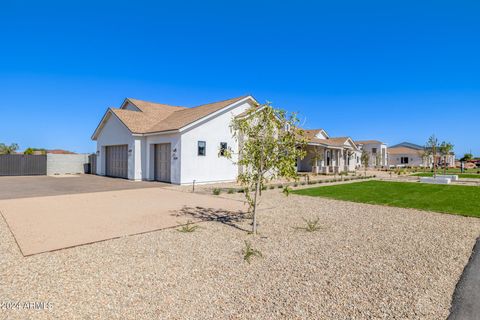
[(23, 165)]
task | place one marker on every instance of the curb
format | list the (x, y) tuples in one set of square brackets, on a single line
[(465, 301)]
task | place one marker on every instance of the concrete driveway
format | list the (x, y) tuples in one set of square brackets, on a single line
[(41, 186), (48, 223)]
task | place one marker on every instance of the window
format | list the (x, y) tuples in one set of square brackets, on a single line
[(223, 148), (374, 150), (202, 148), (404, 160)]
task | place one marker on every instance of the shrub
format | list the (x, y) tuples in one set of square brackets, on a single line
[(280, 186), (217, 191), (287, 190), (272, 187), (231, 191), (240, 190), (187, 228), (249, 252), (311, 225)]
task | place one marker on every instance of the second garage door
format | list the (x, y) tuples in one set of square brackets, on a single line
[(162, 162), (116, 161)]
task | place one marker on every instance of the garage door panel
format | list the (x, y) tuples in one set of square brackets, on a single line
[(117, 161), (162, 162)]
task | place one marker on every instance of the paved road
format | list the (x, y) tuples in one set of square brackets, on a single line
[(466, 299)]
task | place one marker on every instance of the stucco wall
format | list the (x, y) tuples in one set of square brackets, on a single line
[(66, 163), (175, 167), (413, 160), (211, 167), (372, 157), (115, 133)]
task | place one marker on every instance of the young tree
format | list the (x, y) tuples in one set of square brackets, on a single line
[(365, 158), (270, 142), (432, 149), (4, 149), (378, 160), (466, 157), (445, 150)]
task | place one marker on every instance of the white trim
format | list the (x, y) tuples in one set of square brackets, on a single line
[(105, 118), (126, 101)]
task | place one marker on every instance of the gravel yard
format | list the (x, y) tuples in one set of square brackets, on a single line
[(366, 262)]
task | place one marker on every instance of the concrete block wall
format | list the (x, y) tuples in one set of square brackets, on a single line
[(66, 163)]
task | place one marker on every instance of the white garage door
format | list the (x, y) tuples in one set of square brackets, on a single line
[(116, 161)]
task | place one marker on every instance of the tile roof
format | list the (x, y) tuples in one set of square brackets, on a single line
[(311, 133), (408, 145), (404, 150), (156, 117), (368, 142), (333, 142)]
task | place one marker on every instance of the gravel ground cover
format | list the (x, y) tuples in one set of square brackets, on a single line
[(365, 262)]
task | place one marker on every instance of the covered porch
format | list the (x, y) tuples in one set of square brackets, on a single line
[(321, 159)]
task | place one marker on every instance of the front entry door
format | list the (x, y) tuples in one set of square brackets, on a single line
[(162, 162)]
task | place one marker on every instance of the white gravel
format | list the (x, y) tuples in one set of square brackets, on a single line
[(366, 262)]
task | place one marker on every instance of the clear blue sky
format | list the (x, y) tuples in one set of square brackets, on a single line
[(389, 70)]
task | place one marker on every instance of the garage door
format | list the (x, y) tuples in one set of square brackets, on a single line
[(116, 161), (162, 162)]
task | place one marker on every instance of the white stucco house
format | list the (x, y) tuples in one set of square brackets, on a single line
[(327, 154), (377, 152), (143, 140)]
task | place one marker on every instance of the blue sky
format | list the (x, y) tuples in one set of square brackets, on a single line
[(389, 70)]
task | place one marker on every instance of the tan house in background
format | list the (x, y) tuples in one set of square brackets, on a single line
[(408, 154)]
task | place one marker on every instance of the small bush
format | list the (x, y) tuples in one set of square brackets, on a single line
[(295, 184), (264, 187), (280, 186), (240, 190), (189, 227), (231, 191), (272, 187), (311, 225), (249, 252), (287, 190), (217, 191)]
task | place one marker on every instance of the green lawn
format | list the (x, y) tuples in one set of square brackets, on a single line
[(462, 200), (460, 175), (455, 170)]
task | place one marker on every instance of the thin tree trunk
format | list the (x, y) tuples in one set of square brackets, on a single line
[(257, 189), (445, 166)]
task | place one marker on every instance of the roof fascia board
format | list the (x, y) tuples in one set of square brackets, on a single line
[(105, 118), (216, 113), (126, 101)]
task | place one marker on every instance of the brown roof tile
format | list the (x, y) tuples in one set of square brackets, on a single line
[(156, 117), (368, 142), (404, 150)]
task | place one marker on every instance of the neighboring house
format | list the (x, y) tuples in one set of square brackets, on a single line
[(329, 155), (407, 154), (151, 141), (377, 152)]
